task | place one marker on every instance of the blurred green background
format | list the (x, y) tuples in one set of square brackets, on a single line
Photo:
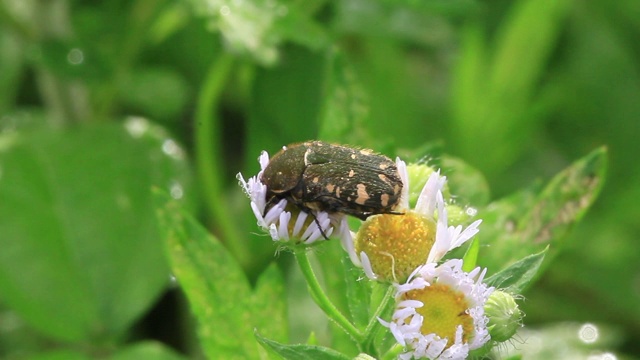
[(101, 100)]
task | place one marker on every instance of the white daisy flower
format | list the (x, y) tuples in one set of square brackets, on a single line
[(440, 312), (284, 223), (389, 247)]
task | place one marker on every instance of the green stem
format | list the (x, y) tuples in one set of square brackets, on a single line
[(319, 296), (209, 156)]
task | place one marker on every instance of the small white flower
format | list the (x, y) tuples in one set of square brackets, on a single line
[(440, 312), (431, 206), (284, 225)]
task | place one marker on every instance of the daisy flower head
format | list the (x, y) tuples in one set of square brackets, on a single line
[(440, 312), (284, 221), (390, 246)]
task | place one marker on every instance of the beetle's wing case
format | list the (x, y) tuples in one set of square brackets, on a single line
[(357, 182)]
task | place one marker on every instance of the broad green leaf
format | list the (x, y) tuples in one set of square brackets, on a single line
[(527, 224), (332, 272), (258, 27), (300, 352), (358, 293), (344, 107), (147, 350), (269, 305), (217, 289), (73, 60), (77, 226), (394, 115), (516, 277), (286, 101)]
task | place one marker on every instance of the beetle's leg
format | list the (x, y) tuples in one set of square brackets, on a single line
[(315, 219), (319, 227), (273, 200)]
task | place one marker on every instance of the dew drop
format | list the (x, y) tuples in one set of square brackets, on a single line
[(588, 333), (471, 211), (171, 148), (75, 56), (173, 280), (602, 356), (176, 190), (136, 126)]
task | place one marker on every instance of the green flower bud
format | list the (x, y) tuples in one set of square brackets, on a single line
[(505, 318), (457, 215)]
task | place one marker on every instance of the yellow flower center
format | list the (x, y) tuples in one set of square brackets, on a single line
[(443, 311), (396, 244)]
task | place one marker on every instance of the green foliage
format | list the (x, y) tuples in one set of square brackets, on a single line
[(528, 222), (300, 352), (218, 291), (501, 96), (66, 243)]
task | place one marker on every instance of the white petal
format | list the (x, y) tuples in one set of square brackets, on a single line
[(428, 196), (366, 266), (302, 216), (404, 177), (346, 239), (263, 160)]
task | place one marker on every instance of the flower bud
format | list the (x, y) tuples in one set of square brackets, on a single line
[(505, 318)]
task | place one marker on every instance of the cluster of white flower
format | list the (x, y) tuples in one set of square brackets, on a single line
[(431, 285)]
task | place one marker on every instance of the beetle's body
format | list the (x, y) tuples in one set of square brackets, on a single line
[(315, 175)]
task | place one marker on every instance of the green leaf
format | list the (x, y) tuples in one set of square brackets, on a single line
[(213, 281), (269, 304), (300, 352), (470, 258), (77, 226), (286, 104), (358, 293), (526, 223), (73, 60), (565, 199), (344, 108), (147, 350), (517, 276)]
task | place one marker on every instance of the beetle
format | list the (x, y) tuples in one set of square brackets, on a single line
[(316, 175)]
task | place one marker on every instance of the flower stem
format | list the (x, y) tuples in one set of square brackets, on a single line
[(321, 299), (208, 138)]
